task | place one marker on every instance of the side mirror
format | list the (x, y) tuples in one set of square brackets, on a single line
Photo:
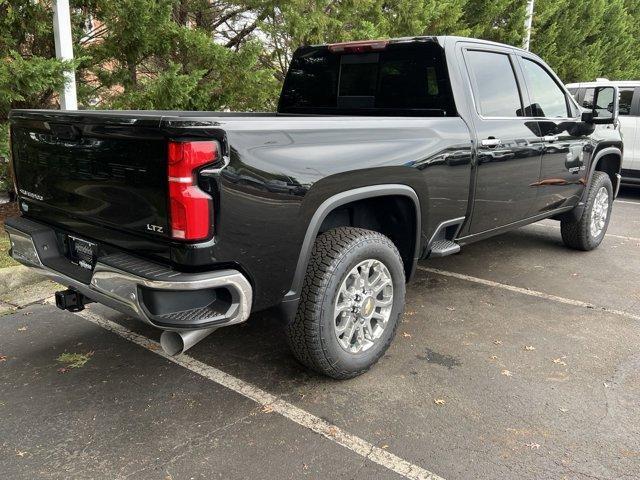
[(605, 106)]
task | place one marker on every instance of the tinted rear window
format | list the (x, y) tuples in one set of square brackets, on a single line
[(405, 79)]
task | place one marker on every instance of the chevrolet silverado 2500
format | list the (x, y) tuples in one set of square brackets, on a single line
[(381, 153)]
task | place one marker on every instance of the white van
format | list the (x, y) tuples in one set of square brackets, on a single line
[(629, 120)]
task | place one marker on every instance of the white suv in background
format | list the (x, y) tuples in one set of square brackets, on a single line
[(629, 120)]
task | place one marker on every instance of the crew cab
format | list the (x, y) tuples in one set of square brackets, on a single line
[(381, 153)]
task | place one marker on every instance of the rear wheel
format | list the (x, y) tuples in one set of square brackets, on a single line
[(352, 298), (589, 230)]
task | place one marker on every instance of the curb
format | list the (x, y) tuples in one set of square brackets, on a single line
[(12, 278)]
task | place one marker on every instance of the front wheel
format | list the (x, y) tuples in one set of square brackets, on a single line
[(589, 230), (351, 302)]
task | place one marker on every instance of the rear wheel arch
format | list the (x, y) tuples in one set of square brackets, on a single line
[(331, 214)]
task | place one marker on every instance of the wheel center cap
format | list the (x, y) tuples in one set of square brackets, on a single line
[(367, 306)]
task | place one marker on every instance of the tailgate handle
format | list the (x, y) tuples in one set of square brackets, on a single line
[(63, 131)]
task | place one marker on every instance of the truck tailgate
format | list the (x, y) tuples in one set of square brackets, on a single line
[(107, 169)]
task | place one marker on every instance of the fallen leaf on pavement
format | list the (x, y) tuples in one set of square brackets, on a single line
[(22, 329), (21, 453), (498, 342), (533, 446), (493, 357), (406, 335), (506, 373), (267, 409), (75, 360), (3, 358), (559, 361), (63, 370), (384, 446), (529, 348), (451, 309), (439, 401)]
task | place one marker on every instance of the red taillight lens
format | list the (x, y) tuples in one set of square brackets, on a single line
[(189, 207)]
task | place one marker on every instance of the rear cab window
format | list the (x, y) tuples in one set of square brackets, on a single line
[(495, 87), (407, 79)]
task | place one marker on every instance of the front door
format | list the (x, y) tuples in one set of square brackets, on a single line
[(566, 149), (508, 145)]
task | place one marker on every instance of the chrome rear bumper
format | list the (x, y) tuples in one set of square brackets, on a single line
[(138, 287)]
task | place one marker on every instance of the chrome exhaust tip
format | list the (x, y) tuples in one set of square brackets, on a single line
[(174, 343)]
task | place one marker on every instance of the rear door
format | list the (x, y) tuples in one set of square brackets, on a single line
[(508, 144), (565, 153)]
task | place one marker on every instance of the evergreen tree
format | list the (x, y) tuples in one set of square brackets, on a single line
[(168, 54), (592, 38), (497, 20)]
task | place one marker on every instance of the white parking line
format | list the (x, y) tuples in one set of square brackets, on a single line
[(531, 293), (295, 414), (612, 235), (626, 201)]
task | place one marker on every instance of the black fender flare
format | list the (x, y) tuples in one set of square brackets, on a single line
[(576, 213), (291, 299), (599, 155)]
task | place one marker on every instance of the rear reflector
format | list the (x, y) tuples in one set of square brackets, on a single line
[(358, 47), (189, 207)]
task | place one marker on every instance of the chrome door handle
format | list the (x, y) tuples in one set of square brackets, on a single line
[(550, 138), (491, 142)]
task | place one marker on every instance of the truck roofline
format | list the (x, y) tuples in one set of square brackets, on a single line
[(441, 39)]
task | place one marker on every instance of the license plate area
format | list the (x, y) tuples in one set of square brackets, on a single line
[(82, 252), (23, 249)]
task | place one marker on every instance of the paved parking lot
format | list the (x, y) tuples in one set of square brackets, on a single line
[(517, 358)]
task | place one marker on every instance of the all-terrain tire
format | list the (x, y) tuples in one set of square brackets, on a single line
[(578, 234), (311, 334)]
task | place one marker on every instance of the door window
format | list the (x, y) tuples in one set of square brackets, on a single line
[(547, 98), (495, 84)]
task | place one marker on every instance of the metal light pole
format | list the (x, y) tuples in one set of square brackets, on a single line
[(64, 51), (527, 24)]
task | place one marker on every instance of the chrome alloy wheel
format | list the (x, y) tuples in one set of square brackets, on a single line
[(363, 306), (599, 212)]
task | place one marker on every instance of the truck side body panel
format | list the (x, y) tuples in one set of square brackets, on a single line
[(279, 169)]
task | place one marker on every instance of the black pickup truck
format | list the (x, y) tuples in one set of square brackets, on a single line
[(381, 153)]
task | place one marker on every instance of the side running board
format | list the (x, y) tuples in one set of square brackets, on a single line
[(442, 248), (442, 242)]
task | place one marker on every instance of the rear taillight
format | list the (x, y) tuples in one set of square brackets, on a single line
[(189, 207)]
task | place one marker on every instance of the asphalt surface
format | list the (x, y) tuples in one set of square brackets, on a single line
[(481, 381)]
